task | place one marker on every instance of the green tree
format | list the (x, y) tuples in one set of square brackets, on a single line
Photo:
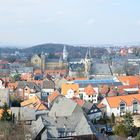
[(128, 122), (10, 131), (120, 130), (112, 118), (126, 127), (16, 77), (11, 59), (5, 115), (138, 136)]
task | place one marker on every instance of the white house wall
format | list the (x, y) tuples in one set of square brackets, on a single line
[(116, 111)]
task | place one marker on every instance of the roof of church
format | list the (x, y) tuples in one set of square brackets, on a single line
[(77, 67), (52, 60), (101, 69)]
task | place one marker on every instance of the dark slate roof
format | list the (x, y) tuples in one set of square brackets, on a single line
[(26, 113), (94, 109), (75, 60), (118, 69), (38, 77), (36, 127), (48, 84), (65, 116), (77, 67), (73, 123), (22, 70), (83, 85), (23, 84), (101, 69), (52, 60), (87, 106)]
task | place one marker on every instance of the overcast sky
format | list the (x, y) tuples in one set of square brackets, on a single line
[(69, 21)]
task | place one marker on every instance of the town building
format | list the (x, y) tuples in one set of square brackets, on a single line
[(41, 61), (65, 120), (90, 94), (119, 105), (81, 67)]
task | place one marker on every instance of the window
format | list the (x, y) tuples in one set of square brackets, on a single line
[(122, 107), (135, 106)]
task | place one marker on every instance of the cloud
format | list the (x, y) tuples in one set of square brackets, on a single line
[(90, 22)]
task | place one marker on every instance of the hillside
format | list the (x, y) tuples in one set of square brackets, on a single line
[(77, 51), (74, 52)]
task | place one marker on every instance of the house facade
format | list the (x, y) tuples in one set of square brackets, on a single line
[(90, 94), (25, 90), (119, 105), (70, 90)]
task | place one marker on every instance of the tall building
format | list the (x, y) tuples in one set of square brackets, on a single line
[(43, 61), (81, 67), (88, 62), (65, 54)]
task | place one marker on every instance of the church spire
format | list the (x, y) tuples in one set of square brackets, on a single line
[(88, 62), (88, 54), (65, 53)]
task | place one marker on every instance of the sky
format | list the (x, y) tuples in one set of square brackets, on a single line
[(31, 22)]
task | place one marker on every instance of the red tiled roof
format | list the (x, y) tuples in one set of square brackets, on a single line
[(89, 90), (104, 89), (101, 106), (68, 86), (128, 99), (130, 80), (34, 103), (53, 96)]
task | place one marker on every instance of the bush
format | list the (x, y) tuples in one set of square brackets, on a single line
[(138, 136), (112, 118), (120, 130), (128, 123), (10, 131), (5, 114)]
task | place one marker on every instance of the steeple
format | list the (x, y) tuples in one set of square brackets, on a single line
[(88, 54), (42, 61), (65, 53), (88, 62)]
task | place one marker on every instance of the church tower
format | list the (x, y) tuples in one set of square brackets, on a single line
[(65, 54), (88, 62), (42, 61), (61, 61)]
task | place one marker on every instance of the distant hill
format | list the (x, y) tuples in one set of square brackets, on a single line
[(8, 50), (74, 51), (47, 48), (53, 48)]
